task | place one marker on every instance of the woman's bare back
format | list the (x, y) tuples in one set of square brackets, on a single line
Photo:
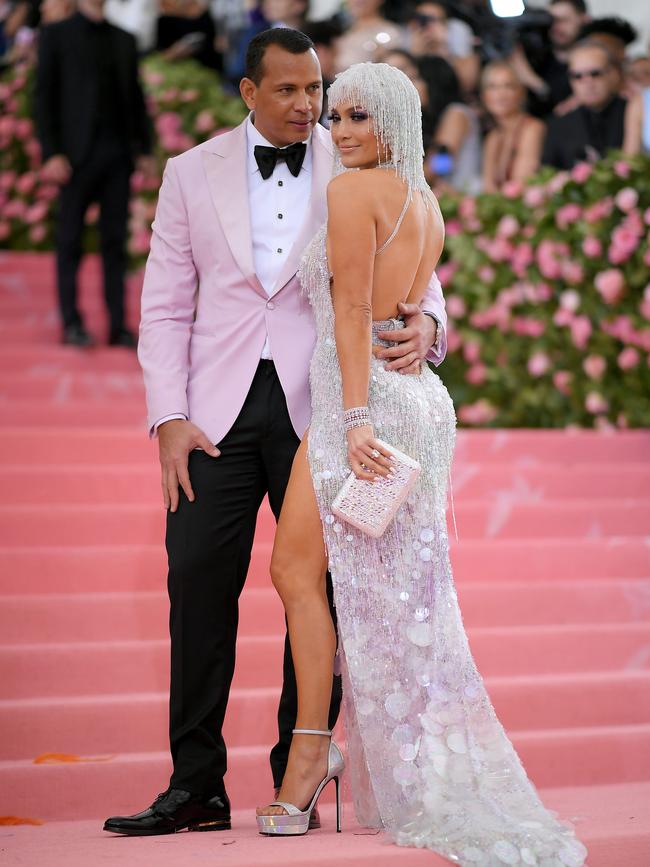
[(403, 269)]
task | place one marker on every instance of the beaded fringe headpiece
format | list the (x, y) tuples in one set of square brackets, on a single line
[(395, 115)]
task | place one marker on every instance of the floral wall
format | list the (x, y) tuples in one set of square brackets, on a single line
[(547, 287)]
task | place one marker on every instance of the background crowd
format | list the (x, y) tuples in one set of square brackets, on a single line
[(500, 96), (548, 241)]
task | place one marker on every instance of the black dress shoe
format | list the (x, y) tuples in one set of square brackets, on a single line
[(124, 338), (175, 810), (76, 335)]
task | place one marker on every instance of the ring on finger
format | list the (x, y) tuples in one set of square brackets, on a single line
[(374, 453)]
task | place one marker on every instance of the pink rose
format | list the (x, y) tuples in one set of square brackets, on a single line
[(168, 122), (543, 292), (563, 317), (646, 216), (204, 121), (446, 272), (36, 213), (610, 284), (481, 412), (598, 211), (455, 306), (621, 421), (628, 358), (626, 199), (523, 257), (622, 169), (581, 172), (508, 226), (453, 227), (594, 366), (472, 352), (454, 340), (592, 247), (92, 215), (7, 180), (5, 230), (567, 214), (153, 78), (15, 209), (538, 363), (26, 183), (24, 128), (511, 189), (580, 331), (486, 274), (467, 208), (37, 234), (534, 197), (558, 182), (476, 374), (570, 300), (562, 381), (140, 241), (572, 272), (595, 403)]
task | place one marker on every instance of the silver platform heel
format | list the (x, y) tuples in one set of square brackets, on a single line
[(295, 821)]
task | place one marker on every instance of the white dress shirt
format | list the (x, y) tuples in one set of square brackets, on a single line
[(278, 207)]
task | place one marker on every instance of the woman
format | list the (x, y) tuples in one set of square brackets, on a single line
[(513, 148), (369, 33), (430, 762)]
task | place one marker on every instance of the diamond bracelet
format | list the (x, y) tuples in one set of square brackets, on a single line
[(356, 416)]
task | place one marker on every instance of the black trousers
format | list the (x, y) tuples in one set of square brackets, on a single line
[(209, 546), (103, 177)]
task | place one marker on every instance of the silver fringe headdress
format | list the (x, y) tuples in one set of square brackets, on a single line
[(393, 104)]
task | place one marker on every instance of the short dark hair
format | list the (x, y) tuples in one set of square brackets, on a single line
[(579, 5), (289, 40), (618, 28)]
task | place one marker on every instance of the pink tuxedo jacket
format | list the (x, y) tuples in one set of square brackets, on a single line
[(205, 314)]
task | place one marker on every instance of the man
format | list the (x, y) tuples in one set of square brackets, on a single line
[(225, 344), (597, 125), (546, 76), (433, 34), (92, 124)]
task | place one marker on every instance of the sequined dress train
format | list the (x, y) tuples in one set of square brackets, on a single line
[(428, 758)]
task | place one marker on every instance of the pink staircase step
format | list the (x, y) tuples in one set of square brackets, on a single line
[(117, 723), (85, 413), (133, 524), (612, 820), (126, 616), (563, 757), (136, 568), (60, 386), (78, 668), (140, 484)]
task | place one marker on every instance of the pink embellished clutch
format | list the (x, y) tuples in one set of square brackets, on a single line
[(371, 506)]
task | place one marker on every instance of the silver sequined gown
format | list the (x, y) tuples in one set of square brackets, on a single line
[(428, 758)]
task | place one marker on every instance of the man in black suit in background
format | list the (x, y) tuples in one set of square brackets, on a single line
[(93, 126)]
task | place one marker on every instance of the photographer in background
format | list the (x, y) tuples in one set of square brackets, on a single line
[(597, 125), (540, 57), (433, 33)]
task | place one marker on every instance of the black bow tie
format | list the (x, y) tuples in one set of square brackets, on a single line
[(267, 157)]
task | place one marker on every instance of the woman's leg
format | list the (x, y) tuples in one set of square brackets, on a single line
[(298, 568)]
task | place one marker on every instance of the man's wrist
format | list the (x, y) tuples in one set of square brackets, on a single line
[(436, 342)]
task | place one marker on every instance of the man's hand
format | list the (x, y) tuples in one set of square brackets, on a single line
[(413, 342), (176, 439), (57, 169)]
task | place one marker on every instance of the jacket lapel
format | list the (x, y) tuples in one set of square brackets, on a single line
[(317, 210), (225, 164)]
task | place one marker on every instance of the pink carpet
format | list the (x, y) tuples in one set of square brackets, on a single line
[(553, 572)]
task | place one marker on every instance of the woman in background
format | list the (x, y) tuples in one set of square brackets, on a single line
[(513, 147)]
